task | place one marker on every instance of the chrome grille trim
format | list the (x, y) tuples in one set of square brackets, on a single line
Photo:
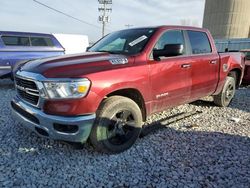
[(27, 90), (37, 79)]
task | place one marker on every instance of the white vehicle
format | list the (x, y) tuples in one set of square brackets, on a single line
[(73, 43)]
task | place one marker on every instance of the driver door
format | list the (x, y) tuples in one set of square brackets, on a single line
[(170, 76)]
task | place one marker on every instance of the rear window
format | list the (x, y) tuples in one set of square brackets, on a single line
[(39, 41), (27, 41), (16, 41), (199, 42)]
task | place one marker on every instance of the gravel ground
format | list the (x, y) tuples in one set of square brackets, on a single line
[(211, 149)]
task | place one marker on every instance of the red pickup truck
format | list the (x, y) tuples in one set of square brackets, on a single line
[(105, 94)]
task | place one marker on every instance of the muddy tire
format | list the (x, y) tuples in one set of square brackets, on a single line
[(117, 126), (224, 98)]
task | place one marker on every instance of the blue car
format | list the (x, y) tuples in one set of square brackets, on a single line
[(16, 47)]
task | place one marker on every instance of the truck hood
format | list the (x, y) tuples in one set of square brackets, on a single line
[(77, 65)]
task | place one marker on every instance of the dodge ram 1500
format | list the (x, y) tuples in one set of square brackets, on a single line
[(105, 94)]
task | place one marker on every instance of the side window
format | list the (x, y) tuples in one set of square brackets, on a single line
[(199, 42), (170, 37), (40, 41), (16, 41)]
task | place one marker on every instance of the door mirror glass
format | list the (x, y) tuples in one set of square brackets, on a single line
[(169, 50)]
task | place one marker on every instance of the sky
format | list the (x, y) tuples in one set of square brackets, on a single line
[(27, 15)]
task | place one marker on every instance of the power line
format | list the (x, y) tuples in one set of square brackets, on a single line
[(65, 14)]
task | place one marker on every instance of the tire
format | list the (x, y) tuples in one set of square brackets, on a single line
[(117, 126), (224, 98)]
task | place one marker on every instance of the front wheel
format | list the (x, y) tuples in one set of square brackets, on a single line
[(224, 98), (117, 126)]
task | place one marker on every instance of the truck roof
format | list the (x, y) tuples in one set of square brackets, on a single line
[(24, 33), (171, 27), (182, 27)]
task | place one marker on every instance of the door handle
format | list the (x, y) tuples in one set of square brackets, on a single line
[(185, 66), (213, 62)]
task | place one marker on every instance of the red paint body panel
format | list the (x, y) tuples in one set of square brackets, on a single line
[(134, 77), (162, 84), (73, 66), (168, 78), (233, 61), (204, 75)]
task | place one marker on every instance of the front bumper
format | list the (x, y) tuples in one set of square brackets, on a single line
[(47, 125)]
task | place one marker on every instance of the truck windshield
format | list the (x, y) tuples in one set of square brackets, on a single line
[(128, 42)]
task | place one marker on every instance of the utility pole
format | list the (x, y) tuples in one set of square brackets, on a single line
[(128, 26), (105, 7)]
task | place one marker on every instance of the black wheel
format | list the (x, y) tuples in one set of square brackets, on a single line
[(117, 126), (224, 98)]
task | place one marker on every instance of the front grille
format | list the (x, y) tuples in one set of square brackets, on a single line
[(24, 113), (27, 90), (25, 83), (28, 97)]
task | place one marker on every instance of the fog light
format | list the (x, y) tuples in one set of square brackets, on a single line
[(65, 128)]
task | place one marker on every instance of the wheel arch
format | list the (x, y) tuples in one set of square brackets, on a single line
[(237, 73), (133, 94)]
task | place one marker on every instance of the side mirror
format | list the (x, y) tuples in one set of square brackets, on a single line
[(169, 50)]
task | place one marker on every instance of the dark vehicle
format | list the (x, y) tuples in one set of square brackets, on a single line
[(246, 78), (20, 46), (104, 95)]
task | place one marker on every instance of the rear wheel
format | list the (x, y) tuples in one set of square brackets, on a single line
[(117, 126), (224, 98)]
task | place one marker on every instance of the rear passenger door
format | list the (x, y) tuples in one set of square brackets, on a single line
[(204, 65)]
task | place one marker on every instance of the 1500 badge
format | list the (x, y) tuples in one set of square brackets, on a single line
[(161, 95)]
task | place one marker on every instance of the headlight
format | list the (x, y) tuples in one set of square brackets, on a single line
[(67, 89)]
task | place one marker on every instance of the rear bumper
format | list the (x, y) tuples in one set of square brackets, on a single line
[(73, 129)]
